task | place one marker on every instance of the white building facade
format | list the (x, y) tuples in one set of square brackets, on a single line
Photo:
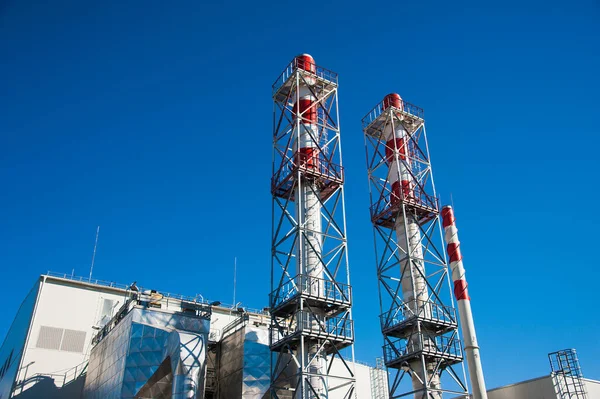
[(47, 350)]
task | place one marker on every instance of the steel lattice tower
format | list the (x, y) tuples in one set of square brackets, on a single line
[(421, 348), (310, 281)]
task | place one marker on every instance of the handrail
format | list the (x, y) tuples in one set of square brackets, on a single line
[(313, 286), (306, 322), (298, 64), (380, 108), (416, 197), (65, 377), (427, 310), (419, 342), (167, 295)]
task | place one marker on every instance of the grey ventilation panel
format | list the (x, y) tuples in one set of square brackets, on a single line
[(61, 339), (73, 341), (49, 337)]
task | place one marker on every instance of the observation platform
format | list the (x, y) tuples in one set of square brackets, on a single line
[(328, 177), (444, 349), (387, 208), (331, 297), (401, 321), (336, 332), (311, 75), (374, 122)]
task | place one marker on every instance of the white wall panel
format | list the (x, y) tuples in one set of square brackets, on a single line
[(63, 324)]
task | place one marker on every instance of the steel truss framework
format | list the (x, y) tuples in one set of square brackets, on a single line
[(425, 333), (308, 311)]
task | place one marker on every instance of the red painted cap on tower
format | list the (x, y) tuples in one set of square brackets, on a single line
[(447, 216), (306, 62), (392, 100)]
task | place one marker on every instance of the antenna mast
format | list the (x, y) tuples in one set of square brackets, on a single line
[(234, 275), (94, 254)]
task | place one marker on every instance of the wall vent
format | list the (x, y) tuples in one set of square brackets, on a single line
[(49, 337), (73, 341), (61, 339)]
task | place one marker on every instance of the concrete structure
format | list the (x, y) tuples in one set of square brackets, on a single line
[(422, 349), (71, 332), (311, 298)]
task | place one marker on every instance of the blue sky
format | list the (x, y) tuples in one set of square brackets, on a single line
[(154, 122)]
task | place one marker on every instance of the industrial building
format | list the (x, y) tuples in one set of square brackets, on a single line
[(117, 342), (83, 338), (75, 337)]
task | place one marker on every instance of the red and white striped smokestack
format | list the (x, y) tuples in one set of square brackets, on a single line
[(307, 198), (464, 304), (408, 236), (306, 111), (399, 175)]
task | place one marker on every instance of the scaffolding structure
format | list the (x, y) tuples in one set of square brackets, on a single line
[(567, 375), (421, 349), (311, 296), (378, 383)]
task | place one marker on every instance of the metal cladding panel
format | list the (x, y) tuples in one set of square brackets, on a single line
[(107, 363), (257, 363), (126, 360), (231, 363), (171, 320), (146, 347)]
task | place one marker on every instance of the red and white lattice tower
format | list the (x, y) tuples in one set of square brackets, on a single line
[(419, 324), (311, 321)]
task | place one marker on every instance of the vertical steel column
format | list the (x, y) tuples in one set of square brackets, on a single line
[(311, 296)]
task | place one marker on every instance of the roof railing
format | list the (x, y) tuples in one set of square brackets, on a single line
[(111, 284)]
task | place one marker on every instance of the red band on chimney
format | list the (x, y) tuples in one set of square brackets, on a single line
[(460, 290), (305, 108), (306, 62), (448, 217), (392, 100), (454, 252), (308, 157), (400, 189)]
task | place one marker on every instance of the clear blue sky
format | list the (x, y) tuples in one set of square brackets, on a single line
[(153, 120)]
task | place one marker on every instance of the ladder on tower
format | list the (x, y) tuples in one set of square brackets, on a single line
[(566, 374), (378, 380)]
